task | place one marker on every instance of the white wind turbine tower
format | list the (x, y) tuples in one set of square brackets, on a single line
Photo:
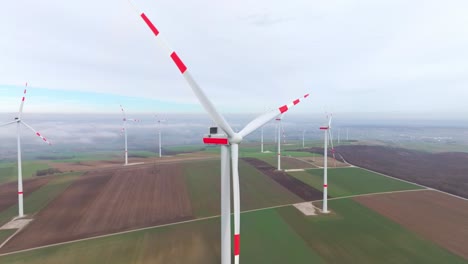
[(261, 140), (159, 134), (303, 138), (326, 129), (228, 141), (124, 129), (18, 122), (279, 140)]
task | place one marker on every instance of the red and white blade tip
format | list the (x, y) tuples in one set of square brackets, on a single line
[(285, 108)]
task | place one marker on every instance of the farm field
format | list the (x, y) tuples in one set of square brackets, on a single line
[(40, 197), (445, 220), (109, 201), (352, 181), (354, 232), (281, 235), (306, 192), (442, 171), (9, 191), (9, 171), (258, 190)]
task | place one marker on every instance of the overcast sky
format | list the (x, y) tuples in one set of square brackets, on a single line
[(352, 56)]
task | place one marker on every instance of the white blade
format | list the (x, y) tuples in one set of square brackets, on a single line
[(8, 123), (209, 107), (37, 133), (267, 117), (236, 202), (20, 112)]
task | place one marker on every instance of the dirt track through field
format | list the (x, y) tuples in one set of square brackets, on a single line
[(9, 191), (436, 216), (294, 185), (107, 202)]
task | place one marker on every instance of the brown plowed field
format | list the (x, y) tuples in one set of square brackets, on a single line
[(318, 162), (100, 164), (294, 185), (443, 171), (108, 202), (436, 216), (9, 191)]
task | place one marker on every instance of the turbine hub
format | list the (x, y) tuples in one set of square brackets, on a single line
[(236, 139)]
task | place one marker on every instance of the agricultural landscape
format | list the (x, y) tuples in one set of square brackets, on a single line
[(321, 131), (166, 210)]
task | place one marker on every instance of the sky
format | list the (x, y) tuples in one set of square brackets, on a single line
[(396, 57)]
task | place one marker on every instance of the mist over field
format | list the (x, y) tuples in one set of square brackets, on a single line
[(102, 132)]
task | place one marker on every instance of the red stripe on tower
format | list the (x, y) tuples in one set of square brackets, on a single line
[(20, 192), (296, 101), (236, 245), (325, 185), (150, 24), (178, 62), (283, 109)]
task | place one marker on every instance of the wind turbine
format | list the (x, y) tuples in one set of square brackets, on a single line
[(261, 140), (278, 125), (124, 130), (18, 122), (159, 134), (303, 137), (229, 140), (326, 129)]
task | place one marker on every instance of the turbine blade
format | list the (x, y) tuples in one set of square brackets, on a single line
[(209, 107), (20, 112), (8, 123), (35, 132), (267, 117), (236, 202)]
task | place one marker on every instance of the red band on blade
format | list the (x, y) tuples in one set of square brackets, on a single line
[(20, 192), (296, 101), (325, 185), (150, 24), (307, 95), (215, 141), (24, 90), (23, 99), (37, 133), (178, 62), (236, 245), (283, 109), (323, 128)]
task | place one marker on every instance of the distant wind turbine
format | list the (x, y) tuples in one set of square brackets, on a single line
[(18, 122), (159, 134), (124, 130)]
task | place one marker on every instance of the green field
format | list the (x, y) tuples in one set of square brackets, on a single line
[(257, 190), (4, 234), (352, 181), (9, 171), (351, 234), (266, 238), (356, 234), (41, 197)]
